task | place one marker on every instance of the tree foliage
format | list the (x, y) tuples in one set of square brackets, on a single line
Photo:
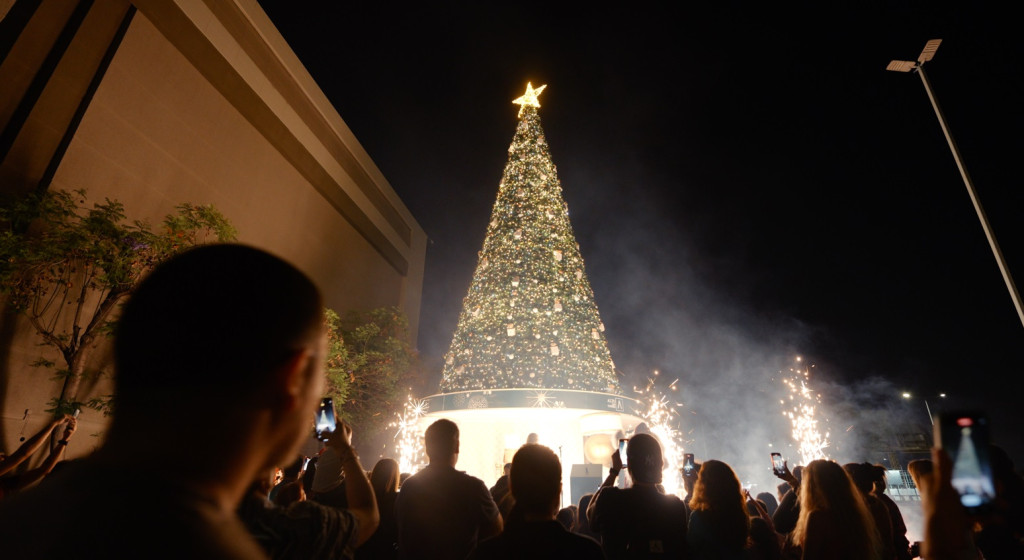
[(66, 267), (369, 360)]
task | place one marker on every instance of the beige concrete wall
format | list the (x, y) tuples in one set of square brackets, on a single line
[(157, 134), (204, 103)]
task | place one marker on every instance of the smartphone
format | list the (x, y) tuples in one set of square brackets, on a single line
[(77, 412), (965, 437), (778, 465), (305, 462), (622, 450), (325, 419), (688, 465)]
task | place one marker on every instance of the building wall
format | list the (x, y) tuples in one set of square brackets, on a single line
[(201, 102)]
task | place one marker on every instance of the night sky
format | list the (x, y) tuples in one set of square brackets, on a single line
[(745, 186)]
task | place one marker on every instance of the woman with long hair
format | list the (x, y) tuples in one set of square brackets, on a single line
[(384, 542), (719, 525), (834, 522)]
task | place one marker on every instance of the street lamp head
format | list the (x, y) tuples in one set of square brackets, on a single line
[(929, 50), (901, 66), (906, 395)]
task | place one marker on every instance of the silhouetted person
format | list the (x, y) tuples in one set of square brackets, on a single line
[(443, 512), (1000, 531), (769, 501), (788, 512), (288, 474), (500, 488), (863, 477), (567, 517), (219, 357), (900, 543), (834, 522), (582, 526), (535, 482), (294, 528), (639, 522), (719, 524), (383, 545)]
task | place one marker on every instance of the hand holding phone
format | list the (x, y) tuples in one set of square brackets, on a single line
[(325, 419), (688, 464), (964, 437), (622, 453)]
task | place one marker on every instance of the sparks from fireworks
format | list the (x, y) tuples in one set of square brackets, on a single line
[(408, 437), (802, 405), (662, 420)]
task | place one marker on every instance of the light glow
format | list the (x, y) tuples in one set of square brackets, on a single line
[(529, 320), (529, 99), (662, 418), (803, 405), (409, 438)]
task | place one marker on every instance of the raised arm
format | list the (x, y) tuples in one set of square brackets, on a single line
[(31, 445), (761, 512), (361, 502), (613, 473), (35, 475)]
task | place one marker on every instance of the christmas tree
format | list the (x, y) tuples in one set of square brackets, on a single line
[(529, 319)]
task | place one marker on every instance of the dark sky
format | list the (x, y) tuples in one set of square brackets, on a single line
[(745, 185)]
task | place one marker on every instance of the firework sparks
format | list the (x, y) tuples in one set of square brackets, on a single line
[(802, 405), (409, 438), (662, 419)]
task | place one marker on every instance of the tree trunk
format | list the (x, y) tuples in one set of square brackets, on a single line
[(69, 391)]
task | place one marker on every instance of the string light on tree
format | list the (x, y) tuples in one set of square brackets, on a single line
[(529, 319)]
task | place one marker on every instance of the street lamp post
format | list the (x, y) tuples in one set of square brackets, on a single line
[(931, 419), (908, 66)]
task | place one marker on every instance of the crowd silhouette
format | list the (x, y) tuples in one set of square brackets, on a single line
[(211, 469)]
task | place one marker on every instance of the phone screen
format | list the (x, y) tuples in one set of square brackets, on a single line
[(622, 451), (325, 418), (778, 466), (965, 437), (688, 465), (305, 462)]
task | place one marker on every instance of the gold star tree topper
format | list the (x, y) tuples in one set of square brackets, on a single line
[(529, 99)]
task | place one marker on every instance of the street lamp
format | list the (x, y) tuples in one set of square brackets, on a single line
[(908, 396), (908, 66)]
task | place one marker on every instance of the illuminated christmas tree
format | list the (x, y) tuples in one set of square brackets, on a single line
[(529, 320)]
